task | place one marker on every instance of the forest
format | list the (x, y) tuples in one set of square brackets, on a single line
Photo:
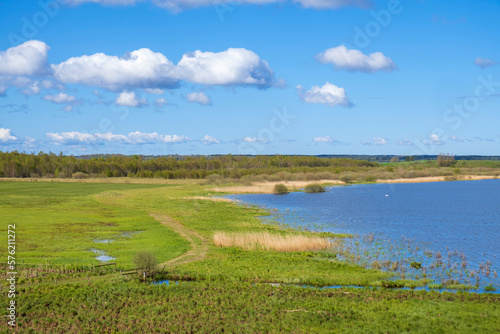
[(21, 165)]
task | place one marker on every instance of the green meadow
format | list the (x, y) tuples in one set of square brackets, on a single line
[(220, 288)]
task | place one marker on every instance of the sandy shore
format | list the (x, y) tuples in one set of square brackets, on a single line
[(268, 187)]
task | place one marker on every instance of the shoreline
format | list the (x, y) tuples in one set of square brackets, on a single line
[(267, 187)]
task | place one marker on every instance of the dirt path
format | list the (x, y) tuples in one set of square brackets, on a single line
[(197, 243)]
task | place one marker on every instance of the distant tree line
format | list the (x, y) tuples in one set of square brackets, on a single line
[(15, 164)]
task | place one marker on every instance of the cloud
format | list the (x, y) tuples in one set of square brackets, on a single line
[(404, 142), (376, 141), (133, 138), (254, 140), (179, 5), (153, 72), (484, 62), (60, 98), (334, 4), (142, 68), (29, 58), (160, 102), (326, 139), (200, 98), (355, 61), (6, 136), (129, 99), (433, 140), (156, 91), (209, 140), (327, 94), (102, 2), (235, 66)]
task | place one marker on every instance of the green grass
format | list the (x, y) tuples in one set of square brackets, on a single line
[(216, 307), (60, 222)]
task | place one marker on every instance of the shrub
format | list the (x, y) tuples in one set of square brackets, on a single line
[(145, 261), (314, 188), (416, 265), (371, 178), (395, 159), (346, 178), (80, 175), (411, 174), (280, 189)]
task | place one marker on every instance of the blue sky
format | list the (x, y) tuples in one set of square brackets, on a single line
[(250, 77)]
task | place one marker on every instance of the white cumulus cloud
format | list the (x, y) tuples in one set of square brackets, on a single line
[(355, 61), (209, 140), (129, 99), (133, 138), (153, 71), (235, 66), (199, 97), (60, 98), (327, 94), (29, 58), (6, 135), (142, 68)]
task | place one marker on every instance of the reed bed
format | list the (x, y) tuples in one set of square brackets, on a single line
[(268, 241)]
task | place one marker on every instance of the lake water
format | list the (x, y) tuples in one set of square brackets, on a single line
[(406, 221)]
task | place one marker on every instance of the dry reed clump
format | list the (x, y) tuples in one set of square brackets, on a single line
[(268, 241)]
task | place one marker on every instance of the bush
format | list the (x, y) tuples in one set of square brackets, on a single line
[(411, 174), (371, 178), (314, 188), (346, 178), (145, 261), (280, 189), (80, 175), (395, 159)]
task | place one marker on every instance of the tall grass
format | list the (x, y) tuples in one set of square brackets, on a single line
[(268, 241)]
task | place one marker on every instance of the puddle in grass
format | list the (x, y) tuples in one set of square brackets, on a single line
[(167, 282), (129, 234), (101, 255), (103, 241)]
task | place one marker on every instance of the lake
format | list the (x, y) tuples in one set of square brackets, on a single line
[(406, 221)]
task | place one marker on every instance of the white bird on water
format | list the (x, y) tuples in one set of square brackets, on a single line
[(386, 195)]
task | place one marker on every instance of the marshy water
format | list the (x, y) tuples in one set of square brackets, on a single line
[(451, 228)]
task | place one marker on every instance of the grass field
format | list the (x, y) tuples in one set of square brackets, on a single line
[(61, 222)]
